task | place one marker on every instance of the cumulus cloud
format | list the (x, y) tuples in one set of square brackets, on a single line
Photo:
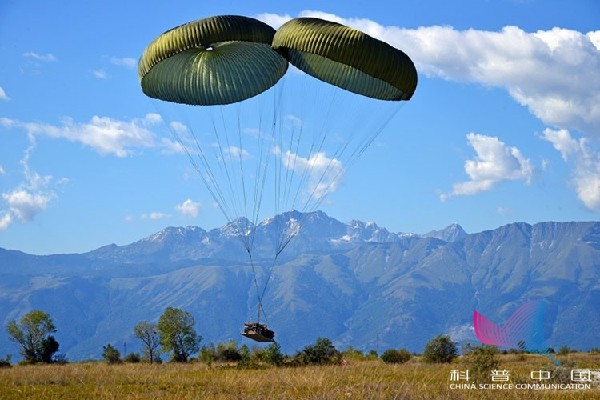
[(188, 208), (103, 134), (494, 162), (554, 72), (3, 95), (49, 57), (323, 173), (31, 196), (586, 164)]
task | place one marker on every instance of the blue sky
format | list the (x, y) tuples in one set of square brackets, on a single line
[(504, 125)]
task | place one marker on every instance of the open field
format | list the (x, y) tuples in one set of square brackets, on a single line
[(359, 380)]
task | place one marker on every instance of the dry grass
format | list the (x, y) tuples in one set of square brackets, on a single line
[(359, 380)]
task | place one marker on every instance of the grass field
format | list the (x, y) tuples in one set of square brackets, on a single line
[(358, 380)]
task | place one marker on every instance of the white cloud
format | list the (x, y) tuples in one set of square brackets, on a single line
[(40, 57), (26, 205), (100, 74), (5, 221), (103, 134), (126, 62), (189, 208), (236, 153), (179, 128), (31, 196), (274, 20), (324, 173), (3, 95), (554, 72), (2, 171), (155, 215), (494, 162), (586, 165)]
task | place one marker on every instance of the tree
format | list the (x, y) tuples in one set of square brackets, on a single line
[(49, 347), (273, 354), (147, 332), (440, 349), (111, 354), (177, 334), (31, 333)]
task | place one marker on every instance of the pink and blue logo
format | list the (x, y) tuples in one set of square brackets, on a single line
[(523, 330)]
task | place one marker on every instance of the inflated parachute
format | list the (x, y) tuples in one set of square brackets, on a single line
[(211, 61), (347, 58), (262, 145)]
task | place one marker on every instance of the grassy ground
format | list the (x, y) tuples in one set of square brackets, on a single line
[(359, 380)]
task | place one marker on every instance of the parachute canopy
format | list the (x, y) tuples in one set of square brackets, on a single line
[(217, 60), (347, 58)]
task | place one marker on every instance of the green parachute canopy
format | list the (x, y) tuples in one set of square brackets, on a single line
[(217, 60), (347, 58)]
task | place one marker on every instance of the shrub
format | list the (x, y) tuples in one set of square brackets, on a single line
[(482, 360), (5, 362), (321, 353), (396, 356), (273, 354), (110, 354), (566, 350), (132, 358), (440, 349), (372, 355), (228, 351), (208, 354)]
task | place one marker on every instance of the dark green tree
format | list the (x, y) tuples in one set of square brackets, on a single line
[(177, 334), (440, 349), (273, 354), (110, 354), (147, 332), (49, 347), (32, 334)]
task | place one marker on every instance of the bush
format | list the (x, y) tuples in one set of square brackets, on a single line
[(228, 351), (321, 353), (208, 354), (396, 356), (482, 360), (563, 350), (440, 349), (132, 358), (110, 354), (5, 362), (273, 354)]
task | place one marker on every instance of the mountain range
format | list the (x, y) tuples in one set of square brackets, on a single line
[(356, 283)]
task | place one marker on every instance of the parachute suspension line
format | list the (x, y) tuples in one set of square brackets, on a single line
[(310, 162), (356, 154), (222, 163), (206, 175), (240, 151), (258, 296)]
